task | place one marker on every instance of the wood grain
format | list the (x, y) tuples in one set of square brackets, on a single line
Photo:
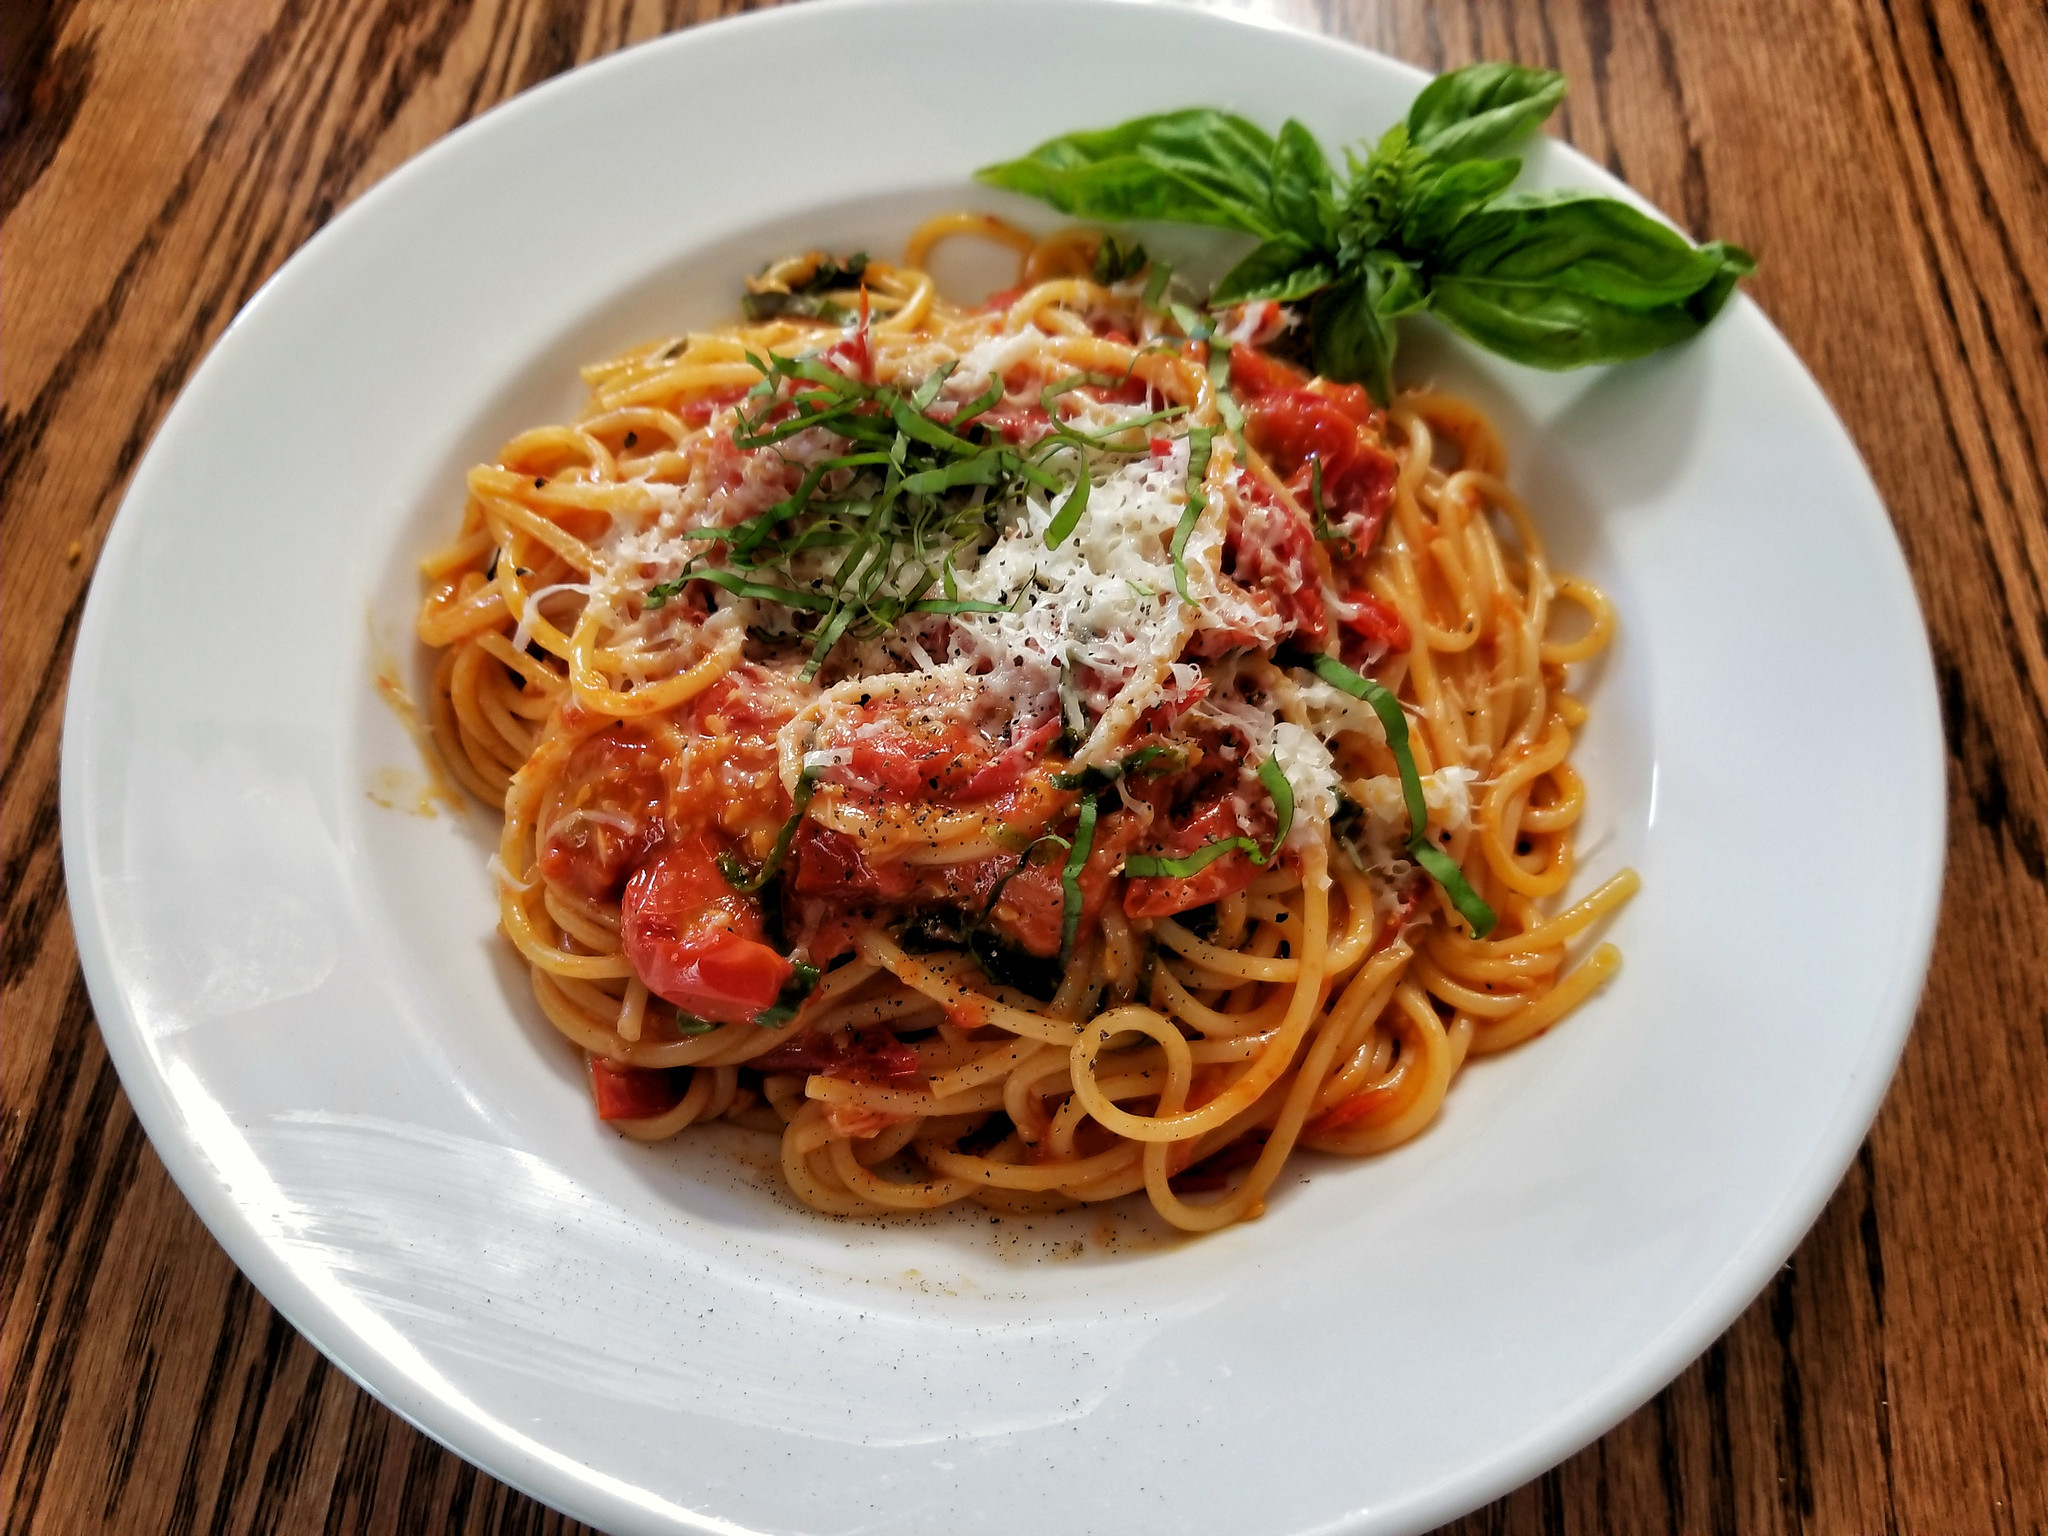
[(1887, 159)]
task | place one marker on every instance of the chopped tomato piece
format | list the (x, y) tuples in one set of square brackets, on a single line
[(1297, 430), (613, 801), (1379, 623), (635, 1093), (697, 412), (1292, 426), (1272, 547), (1253, 373), (1352, 400), (696, 941), (830, 863), (1000, 774), (1164, 895), (1032, 906), (1024, 424), (873, 1056)]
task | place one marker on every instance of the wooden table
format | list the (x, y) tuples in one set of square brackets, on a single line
[(1888, 162)]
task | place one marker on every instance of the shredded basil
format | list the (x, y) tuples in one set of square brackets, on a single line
[(1198, 498), (892, 511), (1433, 859), (1070, 879), (1068, 517), (1093, 778), (747, 881)]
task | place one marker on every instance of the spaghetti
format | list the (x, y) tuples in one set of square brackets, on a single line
[(1027, 753)]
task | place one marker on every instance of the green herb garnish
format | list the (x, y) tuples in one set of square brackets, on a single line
[(888, 515), (1198, 498), (1432, 858), (1153, 761), (1424, 222), (1070, 879)]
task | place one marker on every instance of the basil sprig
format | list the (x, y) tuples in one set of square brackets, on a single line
[(1424, 222), (1439, 864), (1159, 866)]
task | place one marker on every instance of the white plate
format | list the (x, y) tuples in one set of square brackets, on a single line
[(337, 1058)]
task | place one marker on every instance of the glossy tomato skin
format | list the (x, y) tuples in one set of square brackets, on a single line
[(1254, 373), (635, 1093), (696, 941), (613, 814)]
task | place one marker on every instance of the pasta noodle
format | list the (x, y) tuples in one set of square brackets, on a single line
[(946, 738)]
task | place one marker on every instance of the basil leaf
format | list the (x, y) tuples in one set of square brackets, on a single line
[(1472, 112), (1457, 190), (1285, 269), (1583, 243), (1155, 285), (1197, 166), (1093, 778), (774, 305), (1445, 872), (759, 591), (1353, 326), (1068, 517), (1283, 806), (1554, 328), (1304, 192)]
